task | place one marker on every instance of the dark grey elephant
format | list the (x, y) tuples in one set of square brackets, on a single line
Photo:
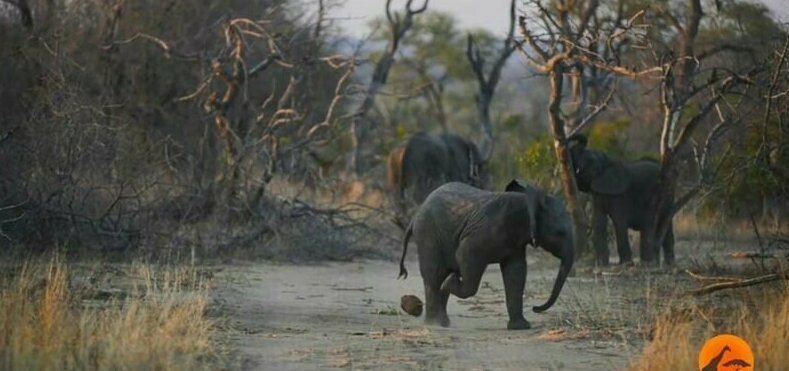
[(424, 162), (620, 191), (460, 229)]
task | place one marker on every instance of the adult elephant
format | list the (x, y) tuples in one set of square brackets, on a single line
[(460, 229), (426, 161), (621, 191)]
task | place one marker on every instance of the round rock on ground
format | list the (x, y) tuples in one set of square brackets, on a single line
[(411, 305)]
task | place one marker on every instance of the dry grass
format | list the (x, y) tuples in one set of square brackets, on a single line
[(649, 313), (678, 337), (620, 304), (687, 225), (49, 322)]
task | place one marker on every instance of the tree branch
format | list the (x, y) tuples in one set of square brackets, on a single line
[(687, 130), (591, 116)]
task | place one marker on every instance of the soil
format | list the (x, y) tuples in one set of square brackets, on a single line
[(347, 315)]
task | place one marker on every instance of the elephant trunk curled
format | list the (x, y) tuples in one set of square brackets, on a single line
[(567, 260)]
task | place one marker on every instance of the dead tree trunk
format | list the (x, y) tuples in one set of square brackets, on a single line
[(555, 56), (569, 185), (359, 120)]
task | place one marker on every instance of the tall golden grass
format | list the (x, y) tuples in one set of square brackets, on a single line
[(159, 324), (678, 338)]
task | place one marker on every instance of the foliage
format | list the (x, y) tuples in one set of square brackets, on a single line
[(609, 137), (108, 119), (747, 182), (537, 163)]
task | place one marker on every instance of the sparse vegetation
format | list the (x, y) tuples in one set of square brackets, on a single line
[(760, 317), (51, 319), (238, 130)]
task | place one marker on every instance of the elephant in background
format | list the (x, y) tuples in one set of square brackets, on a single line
[(426, 161), (621, 191), (460, 229)]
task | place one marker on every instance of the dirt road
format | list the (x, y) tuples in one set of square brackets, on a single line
[(346, 315)]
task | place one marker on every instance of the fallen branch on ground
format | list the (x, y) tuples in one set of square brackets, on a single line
[(699, 277), (751, 255), (740, 283), (367, 288)]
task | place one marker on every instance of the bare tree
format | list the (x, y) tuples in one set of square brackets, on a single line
[(683, 82), (576, 38), (556, 54), (257, 136), (487, 84), (398, 26)]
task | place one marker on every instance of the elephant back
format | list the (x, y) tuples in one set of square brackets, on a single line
[(425, 166), (644, 173)]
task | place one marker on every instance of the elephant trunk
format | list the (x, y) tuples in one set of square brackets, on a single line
[(567, 258)]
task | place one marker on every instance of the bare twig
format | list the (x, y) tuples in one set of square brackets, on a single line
[(591, 116), (168, 50), (699, 277)]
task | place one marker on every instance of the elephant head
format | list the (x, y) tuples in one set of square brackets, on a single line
[(596, 172), (553, 232)]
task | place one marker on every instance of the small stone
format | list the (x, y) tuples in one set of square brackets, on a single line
[(411, 305)]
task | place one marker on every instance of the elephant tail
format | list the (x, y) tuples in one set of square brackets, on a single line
[(408, 232)]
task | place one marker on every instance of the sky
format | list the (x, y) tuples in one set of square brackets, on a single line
[(492, 15)]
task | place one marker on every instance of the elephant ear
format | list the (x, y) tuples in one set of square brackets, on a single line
[(615, 180), (577, 142), (536, 202), (514, 186)]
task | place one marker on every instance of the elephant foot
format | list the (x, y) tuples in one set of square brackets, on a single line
[(518, 324), (627, 262), (668, 262), (442, 321), (650, 263)]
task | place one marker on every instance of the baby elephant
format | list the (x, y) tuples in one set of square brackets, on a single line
[(460, 229)]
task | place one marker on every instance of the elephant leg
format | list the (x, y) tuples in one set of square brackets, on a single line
[(433, 271), (600, 239), (435, 305), (668, 245), (622, 242), (513, 272), (472, 266)]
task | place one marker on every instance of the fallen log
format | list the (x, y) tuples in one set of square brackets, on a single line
[(739, 283)]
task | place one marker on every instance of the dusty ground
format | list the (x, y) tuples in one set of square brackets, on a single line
[(347, 315)]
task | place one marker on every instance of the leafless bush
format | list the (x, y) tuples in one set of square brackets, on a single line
[(122, 133)]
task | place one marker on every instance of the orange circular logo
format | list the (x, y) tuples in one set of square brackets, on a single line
[(726, 353)]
